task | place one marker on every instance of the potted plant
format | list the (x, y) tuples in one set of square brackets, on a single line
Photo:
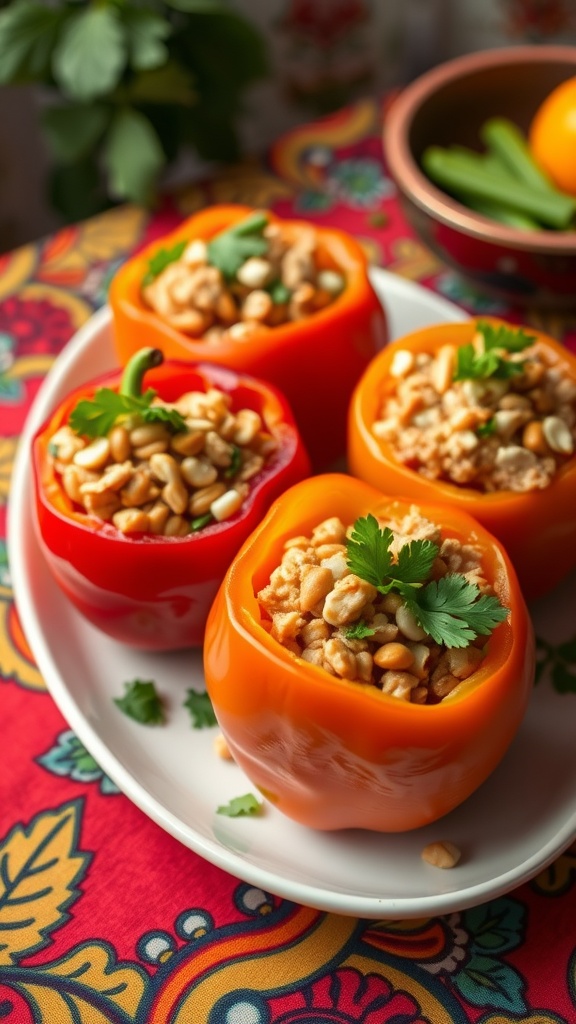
[(128, 87)]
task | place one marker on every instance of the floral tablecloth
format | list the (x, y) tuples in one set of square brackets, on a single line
[(103, 916)]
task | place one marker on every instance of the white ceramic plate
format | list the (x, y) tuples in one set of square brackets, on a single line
[(517, 823)]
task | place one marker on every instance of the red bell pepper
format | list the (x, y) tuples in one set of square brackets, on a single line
[(537, 528), (315, 361), (151, 591), (334, 754)]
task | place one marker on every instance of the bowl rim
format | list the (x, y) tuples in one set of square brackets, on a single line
[(430, 199)]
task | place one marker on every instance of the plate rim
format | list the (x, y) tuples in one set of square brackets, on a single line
[(433, 904)]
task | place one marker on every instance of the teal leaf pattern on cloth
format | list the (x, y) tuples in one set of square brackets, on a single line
[(69, 758), (487, 982), (494, 928)]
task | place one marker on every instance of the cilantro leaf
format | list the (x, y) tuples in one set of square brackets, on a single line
[(142, 703), (414, 563), (241, 805), (279, 293), (201, 711), (160, 260), (201, 521), (453, 612), (231, 248), (368, 554), (486, 429), (491, 362), (235, 464), (358, 630), (95, 417), (500, 336)]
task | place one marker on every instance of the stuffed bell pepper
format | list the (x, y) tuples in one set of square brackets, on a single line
[(286, 301), (369, 659), (480, 415), (144, 495)]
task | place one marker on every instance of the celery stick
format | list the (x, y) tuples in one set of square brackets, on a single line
[(513, 218), (452, 172), (481, 161), (507, 141)]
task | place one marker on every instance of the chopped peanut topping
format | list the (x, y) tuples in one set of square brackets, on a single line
[(322, 612), (441, 854), (490, 434), (286, 283), (146, 479)]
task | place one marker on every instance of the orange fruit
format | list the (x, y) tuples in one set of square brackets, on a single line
[(552, 136)]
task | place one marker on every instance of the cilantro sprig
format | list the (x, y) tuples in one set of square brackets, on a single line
[(95, 417), (201, 711), (451, 610), (241, 806), (498, 341), (142, 702), (231, 248), (358, 630), (160, 260)]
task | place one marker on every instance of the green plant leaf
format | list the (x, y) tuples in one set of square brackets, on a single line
[(91, 53), (227, 52), (146, 32), (132, 157), (563, 680), (169, 84), (27, 35), (199, 6), (77, 189), (72, 131)]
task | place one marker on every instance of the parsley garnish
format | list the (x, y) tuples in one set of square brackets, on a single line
[(95, 417), (160, 260), (201, 521), (358, 630), (231, 248), (142, 703), (235, 464), (241, 805), (486, 429), (201, 711), (451, 610), (279, 293), (492, 361)]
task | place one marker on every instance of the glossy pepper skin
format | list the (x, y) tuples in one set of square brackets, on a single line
[(537, 528), (336, 754), (315, 362), (155, 592)]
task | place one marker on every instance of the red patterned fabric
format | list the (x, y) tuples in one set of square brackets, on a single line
[(103, 916)]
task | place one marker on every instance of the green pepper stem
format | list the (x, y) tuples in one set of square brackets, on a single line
[(143, 360)]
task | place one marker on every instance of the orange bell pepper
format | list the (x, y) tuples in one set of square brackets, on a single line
[(337, 754), (537, 528), (315, 362)]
